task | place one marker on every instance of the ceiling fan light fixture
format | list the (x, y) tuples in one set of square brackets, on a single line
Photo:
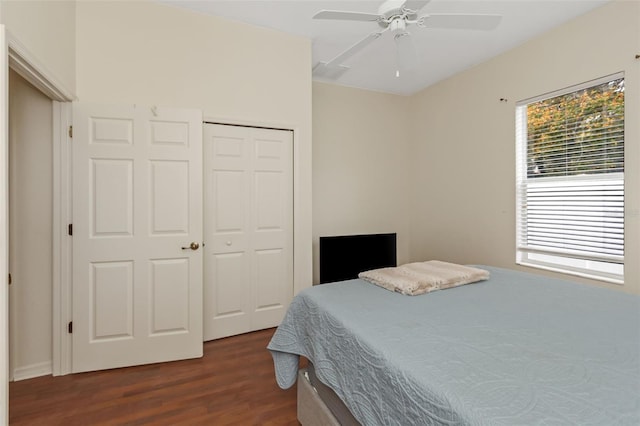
[(398, 26), (405, 51)]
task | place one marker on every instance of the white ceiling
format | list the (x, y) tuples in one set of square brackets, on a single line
[(441, 53)]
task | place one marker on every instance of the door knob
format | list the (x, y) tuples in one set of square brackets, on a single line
[(192, 246)]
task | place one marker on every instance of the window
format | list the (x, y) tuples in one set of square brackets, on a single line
[(570, 180)]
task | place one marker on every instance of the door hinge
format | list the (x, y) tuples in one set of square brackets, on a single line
[(70, 229), (9, 279), (71, 131), (70, 327)]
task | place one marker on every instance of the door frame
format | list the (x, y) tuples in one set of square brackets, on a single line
[(62, 271), (4, 228), (25, 64)]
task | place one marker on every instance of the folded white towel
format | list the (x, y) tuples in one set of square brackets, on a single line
[(423, 277)]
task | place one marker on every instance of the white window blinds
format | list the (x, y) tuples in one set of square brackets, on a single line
[(570, 180)]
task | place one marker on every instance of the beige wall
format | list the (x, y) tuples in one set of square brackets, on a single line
[(30, 228), (152, 54), (463, 149), (142, 52), (360, 173), (47, 30)]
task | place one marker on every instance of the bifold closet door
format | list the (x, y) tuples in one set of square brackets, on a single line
[(248, 226)]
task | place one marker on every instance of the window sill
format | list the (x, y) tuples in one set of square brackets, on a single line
[(559, 270)]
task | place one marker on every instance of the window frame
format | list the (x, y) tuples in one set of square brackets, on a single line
[(546, 259)]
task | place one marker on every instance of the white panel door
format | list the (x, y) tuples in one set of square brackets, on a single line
[(137, 207), (248, 187)]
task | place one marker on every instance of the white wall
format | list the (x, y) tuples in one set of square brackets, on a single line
[(47, 30), (360, 173), (463, 151), (152, 54), (30, 228)]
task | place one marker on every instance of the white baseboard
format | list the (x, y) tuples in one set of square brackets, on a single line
[(33, 370)]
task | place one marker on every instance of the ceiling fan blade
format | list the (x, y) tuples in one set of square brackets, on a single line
[(354, 49), (346, 16), (406, 55), (462, 21), (333, 73), (415, 5)]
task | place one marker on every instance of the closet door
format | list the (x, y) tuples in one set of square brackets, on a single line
[(248, 225)]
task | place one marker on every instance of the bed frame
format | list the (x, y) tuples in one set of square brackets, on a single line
[(318, 404), (312, 411)]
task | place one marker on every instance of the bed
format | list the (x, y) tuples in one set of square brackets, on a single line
[(517, 349)]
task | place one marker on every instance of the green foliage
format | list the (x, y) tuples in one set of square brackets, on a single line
[(578, 133)]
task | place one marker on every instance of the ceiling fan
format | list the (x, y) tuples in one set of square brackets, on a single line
[(396, 16)]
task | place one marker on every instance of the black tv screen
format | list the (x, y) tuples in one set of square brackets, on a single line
[(344, 257)]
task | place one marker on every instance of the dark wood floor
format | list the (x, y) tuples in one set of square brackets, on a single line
[(233, 384)]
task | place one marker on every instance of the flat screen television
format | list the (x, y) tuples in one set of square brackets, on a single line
[(344, 257)]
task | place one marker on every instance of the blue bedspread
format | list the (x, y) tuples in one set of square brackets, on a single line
[(517, 349)]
